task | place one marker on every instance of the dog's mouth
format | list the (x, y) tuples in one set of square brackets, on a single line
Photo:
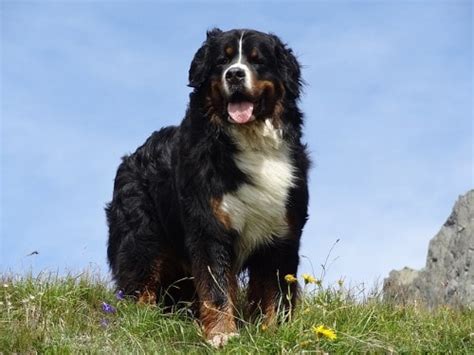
[(244, 106), (240, 112), (240, 108)]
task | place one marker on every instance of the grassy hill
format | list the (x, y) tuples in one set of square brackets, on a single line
[(82, 314)]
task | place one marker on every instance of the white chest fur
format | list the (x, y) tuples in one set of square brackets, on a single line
[(258, 210)]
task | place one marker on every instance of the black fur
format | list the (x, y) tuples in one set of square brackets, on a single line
[(161, 224)]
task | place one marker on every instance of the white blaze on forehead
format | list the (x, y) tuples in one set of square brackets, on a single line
[(238, 64), (240, 48)]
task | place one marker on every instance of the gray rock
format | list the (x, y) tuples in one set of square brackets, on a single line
[(448, 277)]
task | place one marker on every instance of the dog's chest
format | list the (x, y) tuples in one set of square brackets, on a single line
[(257, 210)]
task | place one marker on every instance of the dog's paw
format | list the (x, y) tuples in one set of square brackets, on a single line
[(220, 339)]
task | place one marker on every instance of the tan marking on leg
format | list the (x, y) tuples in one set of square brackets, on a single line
[(218, 322), (148, 293), (147, 297), (264, 296)]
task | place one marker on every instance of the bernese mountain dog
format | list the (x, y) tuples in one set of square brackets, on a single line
[(224, 192)]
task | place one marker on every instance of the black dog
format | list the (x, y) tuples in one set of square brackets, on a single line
[(223, 192)]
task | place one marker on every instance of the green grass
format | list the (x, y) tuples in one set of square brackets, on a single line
[(65, 315)]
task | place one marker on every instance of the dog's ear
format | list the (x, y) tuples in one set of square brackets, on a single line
[(200, 66), (289, 68)]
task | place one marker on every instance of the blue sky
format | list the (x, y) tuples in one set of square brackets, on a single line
[(388, 110)]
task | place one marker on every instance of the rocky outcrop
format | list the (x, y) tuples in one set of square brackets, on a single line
[(448, 277)]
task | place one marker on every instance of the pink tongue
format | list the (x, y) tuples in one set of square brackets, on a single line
[(240, 112)]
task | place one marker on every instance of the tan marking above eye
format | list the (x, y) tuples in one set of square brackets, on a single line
[(229, 51)]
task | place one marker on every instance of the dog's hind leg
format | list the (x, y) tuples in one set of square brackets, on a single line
[(154, 274), (136, 238), (138, 269)]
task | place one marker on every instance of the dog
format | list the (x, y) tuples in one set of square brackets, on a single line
[(224, 192)]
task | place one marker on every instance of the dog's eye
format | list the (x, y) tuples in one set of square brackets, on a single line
[(255, 58), (222, 60)]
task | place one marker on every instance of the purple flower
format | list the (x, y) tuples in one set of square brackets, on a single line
[(107, 308), (120, 295)]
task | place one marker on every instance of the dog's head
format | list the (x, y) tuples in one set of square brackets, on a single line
[(244, 75)]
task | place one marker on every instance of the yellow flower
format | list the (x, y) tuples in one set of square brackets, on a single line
[(324, 331), (308, 279), (290, 278), (264, 327)]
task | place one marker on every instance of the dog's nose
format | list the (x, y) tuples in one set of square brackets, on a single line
[(235, 75)]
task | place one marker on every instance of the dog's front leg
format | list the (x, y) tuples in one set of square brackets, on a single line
[(269, 291), (216, 286)]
